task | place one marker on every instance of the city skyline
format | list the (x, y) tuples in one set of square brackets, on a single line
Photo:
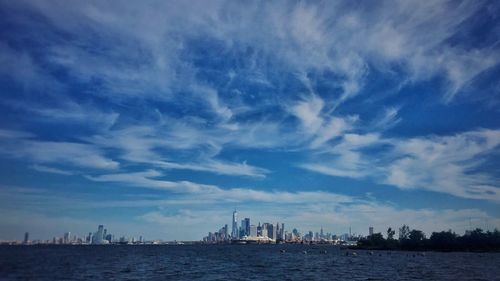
[(164, 117), (99, 237), (267, 232), (246, 231)]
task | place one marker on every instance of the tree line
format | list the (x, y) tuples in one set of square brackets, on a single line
[(416, 240)]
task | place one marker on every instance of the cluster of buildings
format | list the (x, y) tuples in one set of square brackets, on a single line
[(101, 236), (245, 232), (240, 232)]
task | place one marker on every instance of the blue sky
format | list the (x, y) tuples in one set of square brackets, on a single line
[(159, 118)]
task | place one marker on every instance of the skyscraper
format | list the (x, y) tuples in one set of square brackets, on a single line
[(234, 232), (263, 230), (67, 238), (370, 230), (271, 231), (99, 236), (253, 231), (26, 237), (245, 226)]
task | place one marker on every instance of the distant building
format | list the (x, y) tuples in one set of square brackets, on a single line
[(67, 238), (245, 225), (263, 230), (370, 230), (253, 231), (234, 232), (99, 235), (110, 238), (26, 237), (282, 231), (271, 231)]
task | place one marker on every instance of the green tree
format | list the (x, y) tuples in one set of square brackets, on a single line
[(404, 232), (377, 239), (416, 236), (444, 240), (390, 233)]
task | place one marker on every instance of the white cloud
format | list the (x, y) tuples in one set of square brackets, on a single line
[(147, 179), (387, 119), (151, 179), (308, 112), (217, 167), (318, 124), (52, 170), (151, 59), (24, 146), (332, 171), (446, 164), (66, 152), (143, 145)]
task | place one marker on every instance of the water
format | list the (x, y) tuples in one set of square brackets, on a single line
[(238, 262)]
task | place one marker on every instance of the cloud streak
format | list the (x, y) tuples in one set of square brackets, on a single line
[(447, 164)]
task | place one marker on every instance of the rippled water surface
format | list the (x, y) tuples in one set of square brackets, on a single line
[(238, 262)]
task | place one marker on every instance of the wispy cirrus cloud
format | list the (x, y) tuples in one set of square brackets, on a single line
[(146, 179), (387, 119), (140, 144), (302, 37), (319, 125), (21, 145), (433, 163), (217, 167), (52, 170), (153, 179), (447, 164)]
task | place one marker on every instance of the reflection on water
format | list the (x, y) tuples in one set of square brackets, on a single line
[(239, 262)]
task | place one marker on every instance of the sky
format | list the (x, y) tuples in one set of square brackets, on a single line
[(159, 118)]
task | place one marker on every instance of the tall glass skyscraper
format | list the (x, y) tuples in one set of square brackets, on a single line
[(99, 234), (234, 232), (245, 225)]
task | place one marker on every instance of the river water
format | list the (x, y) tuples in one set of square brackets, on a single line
[(238, 262)]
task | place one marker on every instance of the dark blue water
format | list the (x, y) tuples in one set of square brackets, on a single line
[(238, 262)]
